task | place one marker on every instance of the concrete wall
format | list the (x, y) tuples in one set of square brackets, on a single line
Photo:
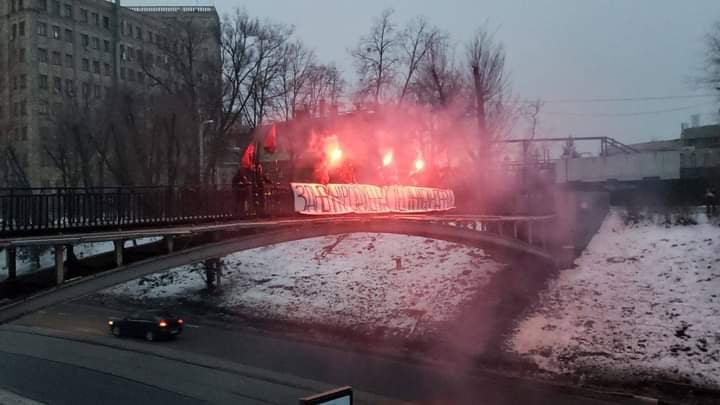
[(579, 215), (626, 167)]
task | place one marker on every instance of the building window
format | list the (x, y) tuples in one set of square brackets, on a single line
[(69, 87), (85, 65), (96, 67), (57, 85), (67, 11), (42, 55), (138, 32), (106, 45), (42, 5), (23, 81), (106, 67), (140, 77), (21, 28), (96, 43), (68, 35), (122, 27), (21, 55), (15, 83), (69, 60), (96, 19), (23, 108), (123, 56), (83, 16), (56, 32), (131, 75), (16, 109), (42, 29), (85, 40), (56, 58), (43, 82), (106, 22), (13, 36), (23, 133), (122, 73), (56, 7), (43, 107), (96, 91), (85, 91), (149, 36), (130, 30), (131, 53)]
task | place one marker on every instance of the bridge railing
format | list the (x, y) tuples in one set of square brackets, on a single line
[(534, 230), (36, 211)]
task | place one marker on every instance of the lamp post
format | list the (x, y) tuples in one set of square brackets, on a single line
[(201, 143)]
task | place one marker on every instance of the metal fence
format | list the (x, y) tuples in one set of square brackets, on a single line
[(52, 210)]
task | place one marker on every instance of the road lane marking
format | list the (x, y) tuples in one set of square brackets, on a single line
[(89, 330), (187, 325)]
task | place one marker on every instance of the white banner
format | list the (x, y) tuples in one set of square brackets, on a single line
[(319, 199)]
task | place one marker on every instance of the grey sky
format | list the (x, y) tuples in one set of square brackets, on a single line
[(555, 49)]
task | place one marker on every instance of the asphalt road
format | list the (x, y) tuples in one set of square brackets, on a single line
[(283, 360)]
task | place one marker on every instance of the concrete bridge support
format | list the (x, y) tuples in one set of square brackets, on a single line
[(59, 264), (119, 248), (11, 262), (169, 243)]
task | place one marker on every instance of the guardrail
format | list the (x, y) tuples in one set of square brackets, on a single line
[(57, 210)]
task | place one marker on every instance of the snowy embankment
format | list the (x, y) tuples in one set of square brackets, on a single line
[(342, 281), (25, 264), (642, 302)]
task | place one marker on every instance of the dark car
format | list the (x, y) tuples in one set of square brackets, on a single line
[(150, 325)]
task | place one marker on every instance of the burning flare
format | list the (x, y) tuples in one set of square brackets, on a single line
[(419, 164), (335, 155), (387, 159)]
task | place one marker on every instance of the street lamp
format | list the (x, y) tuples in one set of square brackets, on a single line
[(201, 143)]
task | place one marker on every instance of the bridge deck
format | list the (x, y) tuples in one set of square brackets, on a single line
[(180, 230)]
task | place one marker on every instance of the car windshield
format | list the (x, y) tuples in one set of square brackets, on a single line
[(460, 201)]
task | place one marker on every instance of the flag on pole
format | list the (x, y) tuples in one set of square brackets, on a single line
[(248, 157), (270, 144)]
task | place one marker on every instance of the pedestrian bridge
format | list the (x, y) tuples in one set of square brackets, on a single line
[(61, 218)]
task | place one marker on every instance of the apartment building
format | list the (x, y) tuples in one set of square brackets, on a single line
[(55, 52)]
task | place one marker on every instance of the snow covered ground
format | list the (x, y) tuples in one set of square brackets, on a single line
[(24, 264), (642, 301), (347, 281)]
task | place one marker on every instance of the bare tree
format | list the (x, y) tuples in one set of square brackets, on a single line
[(712, 57), (376, 57), (532, 114), (295, 72), (439, 82), (415, 41), (325, 84), (265, 89), (486, 58)]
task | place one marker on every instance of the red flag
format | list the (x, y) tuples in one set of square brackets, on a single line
[(270, 144), (248, 157)]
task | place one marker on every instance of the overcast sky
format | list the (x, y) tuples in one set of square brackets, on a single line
[(556, 49)]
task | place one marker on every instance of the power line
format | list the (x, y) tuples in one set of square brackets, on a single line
[(625, 114), (622, 99)]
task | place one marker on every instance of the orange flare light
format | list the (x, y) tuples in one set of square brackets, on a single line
[(419, 165), (387, 159)]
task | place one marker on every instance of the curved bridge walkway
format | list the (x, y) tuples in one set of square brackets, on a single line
[(63, 218)]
